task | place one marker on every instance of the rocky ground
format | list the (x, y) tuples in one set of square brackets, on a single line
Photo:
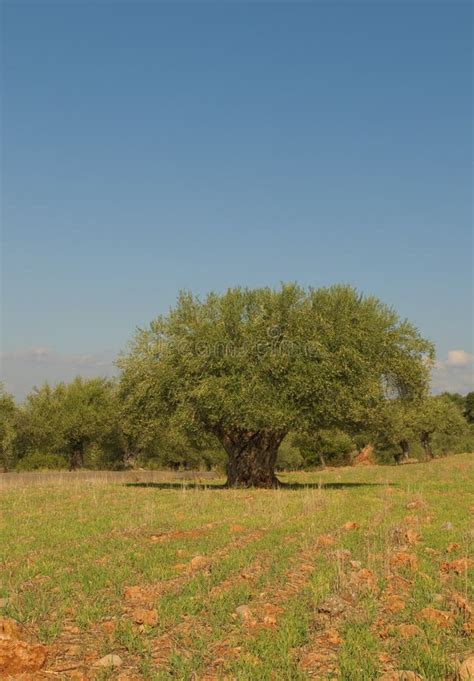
[(357, 573)]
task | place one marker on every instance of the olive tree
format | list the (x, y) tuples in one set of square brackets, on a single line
[(68, 418), (7, 428), (249, 366), (437, 415)]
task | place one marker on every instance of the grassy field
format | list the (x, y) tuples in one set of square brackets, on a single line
[(318, 580)]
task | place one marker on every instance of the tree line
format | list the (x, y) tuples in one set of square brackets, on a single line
[(253, 380)]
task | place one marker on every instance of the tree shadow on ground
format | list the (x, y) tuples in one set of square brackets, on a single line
[(281, 486)]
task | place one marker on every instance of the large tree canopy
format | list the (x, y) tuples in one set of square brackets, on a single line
[(248, 366)]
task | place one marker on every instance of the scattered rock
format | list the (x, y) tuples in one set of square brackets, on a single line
[(198, 562), (17, 657), (468, 626), (404, 559), (109, 626), (466, 670), (363, 580), (459, 566), (341, 554), (439, 618), (452, 547), (10, 629), (351, 525), (147, 617), (400, 676), (180, 567), (414, 504), (394, 603), (325, 540), (132, 593), (110, 660), (412, 537), (447, 526), (333, 605), (244, 612), (355, 564), (409, 630), (461, 603)]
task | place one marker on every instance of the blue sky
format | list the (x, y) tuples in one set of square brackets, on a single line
[(153, 146)]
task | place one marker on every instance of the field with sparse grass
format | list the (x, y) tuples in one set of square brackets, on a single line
[(346, 574)]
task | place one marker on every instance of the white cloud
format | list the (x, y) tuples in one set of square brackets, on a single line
[(455, 373), (459, 358), (24, 369)]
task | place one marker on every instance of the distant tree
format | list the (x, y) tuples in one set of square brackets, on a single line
[(396, 427), (403, 423), (249, 366), (326, 446), (86, 415), (7, 429), (458, 399), (437, 415), (67, 419), (39, 422), (469, 407)]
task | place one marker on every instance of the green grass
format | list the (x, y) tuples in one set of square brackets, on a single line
[(67, 553)]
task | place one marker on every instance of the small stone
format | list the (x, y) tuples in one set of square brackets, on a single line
[(439, 618), (466, 670), (459, 566), (404, 559), (400, 676), (147, 617), (351, 525), (198, 562), (244, 612), (325, 541), (409, 630), (110, 660), (447, 526), (10, 629), (17, 657)]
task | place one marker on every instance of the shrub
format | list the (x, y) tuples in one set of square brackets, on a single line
[(41, 461)]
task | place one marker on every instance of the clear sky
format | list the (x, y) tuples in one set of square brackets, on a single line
[(155, 146)]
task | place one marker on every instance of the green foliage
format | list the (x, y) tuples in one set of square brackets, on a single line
[(41, 461), (326, 446), (69, 419), (8, 412), (469, 407), (289, 456), (253, 361), (435, 423)]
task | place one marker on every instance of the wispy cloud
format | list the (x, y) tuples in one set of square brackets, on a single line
[(455, 373), (25, 368)]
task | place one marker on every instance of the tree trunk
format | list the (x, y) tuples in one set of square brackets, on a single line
[(76, 460), (405, 451), (426, 444), (252, 457)]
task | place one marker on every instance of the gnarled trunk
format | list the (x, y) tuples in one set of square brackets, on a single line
[(425, 438), (252, 456)]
